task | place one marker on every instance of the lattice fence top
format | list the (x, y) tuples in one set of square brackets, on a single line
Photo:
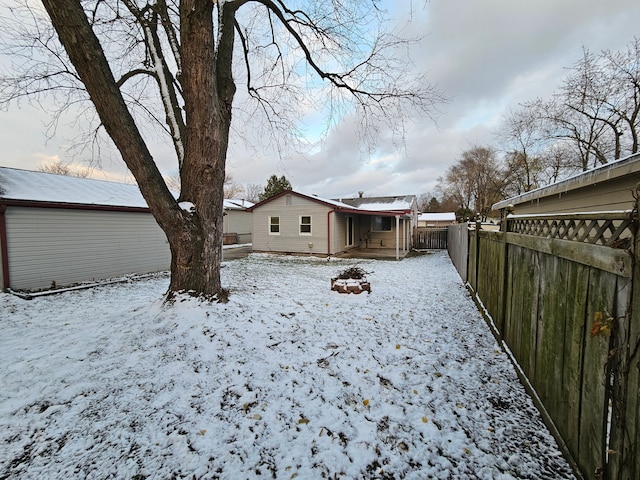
[(610, 229)]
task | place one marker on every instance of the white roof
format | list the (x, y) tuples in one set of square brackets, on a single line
[(236, 204), (27, 185), (382, 204), (397, 204), (437, 217)]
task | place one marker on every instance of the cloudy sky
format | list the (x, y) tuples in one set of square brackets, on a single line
[(487, 55)]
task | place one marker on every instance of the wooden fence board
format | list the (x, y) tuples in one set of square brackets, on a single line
[(513, 304), (472, 262), (593, 410), (522, 290), (575, 331), (618, 367), (458, 247), (630, 449), (550, 333), (491, 272)]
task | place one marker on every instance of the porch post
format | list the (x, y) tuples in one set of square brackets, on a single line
[(404, 235), (397, 237)]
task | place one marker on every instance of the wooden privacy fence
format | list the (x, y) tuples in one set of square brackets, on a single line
[(458, 247), (563, 293), (431, 238)]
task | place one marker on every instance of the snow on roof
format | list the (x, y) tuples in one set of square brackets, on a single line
[(16, 184), (237, 204), (27, 185), (437, 217), (402, 202), (335, 203)]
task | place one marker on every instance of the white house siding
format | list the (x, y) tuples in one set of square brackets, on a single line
[(289, 240), (240, 223), (67, 246), (339, 233)]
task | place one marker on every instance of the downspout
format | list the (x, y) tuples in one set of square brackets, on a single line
[(4, 251)]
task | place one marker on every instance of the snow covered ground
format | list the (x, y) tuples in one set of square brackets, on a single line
[(286, 380)]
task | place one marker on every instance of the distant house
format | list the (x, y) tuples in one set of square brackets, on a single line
[(435, 220), (237, 223), (605, 188), (296, 223)]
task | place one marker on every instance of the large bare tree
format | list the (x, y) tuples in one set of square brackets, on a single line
[(188, 51)]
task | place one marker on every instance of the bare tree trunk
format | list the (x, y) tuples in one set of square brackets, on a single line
[(195, 238), (208, 99)]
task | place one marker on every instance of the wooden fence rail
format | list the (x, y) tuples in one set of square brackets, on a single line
[(568, 310)]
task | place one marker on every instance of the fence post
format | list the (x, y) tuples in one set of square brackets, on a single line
[(506, 284), (629, 437), (476, 273)]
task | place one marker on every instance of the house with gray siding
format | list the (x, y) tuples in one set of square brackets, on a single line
[(295, 223), (57, 230)]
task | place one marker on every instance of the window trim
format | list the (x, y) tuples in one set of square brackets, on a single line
[(300, 225), (270, 224)]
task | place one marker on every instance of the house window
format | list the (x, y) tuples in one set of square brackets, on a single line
[(274, 225), (382, 224), (305, 225)]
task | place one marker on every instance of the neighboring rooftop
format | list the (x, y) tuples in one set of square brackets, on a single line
[(393, 203), (626, 167), (26, 185), (437, 217), (237, 204), (30, 186)]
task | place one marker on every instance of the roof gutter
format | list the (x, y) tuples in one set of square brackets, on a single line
[(73, 206)]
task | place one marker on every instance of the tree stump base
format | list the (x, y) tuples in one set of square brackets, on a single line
[(350, 285)]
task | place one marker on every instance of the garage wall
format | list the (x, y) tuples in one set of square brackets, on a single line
[(240, 222), (68, 246)]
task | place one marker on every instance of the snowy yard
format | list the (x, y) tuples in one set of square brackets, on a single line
[(287, 380)]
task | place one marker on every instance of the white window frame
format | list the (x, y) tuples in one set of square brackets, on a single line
[(271, 224), (300, 225)]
